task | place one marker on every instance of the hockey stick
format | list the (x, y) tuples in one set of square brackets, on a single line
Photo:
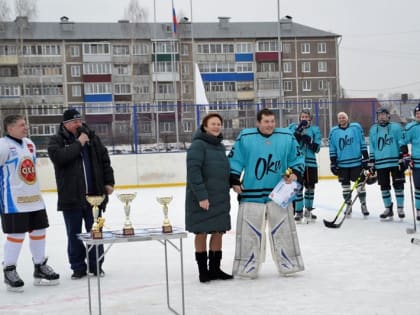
[(414, 229), (333, 224)]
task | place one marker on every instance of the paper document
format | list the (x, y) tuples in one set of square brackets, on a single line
[(283, 194)]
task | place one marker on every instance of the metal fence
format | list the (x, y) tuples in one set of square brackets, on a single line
[(146, 128)]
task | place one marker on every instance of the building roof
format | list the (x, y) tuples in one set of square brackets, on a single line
[(67, 30)]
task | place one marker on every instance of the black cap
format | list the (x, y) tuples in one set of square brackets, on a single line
[(70, 115)]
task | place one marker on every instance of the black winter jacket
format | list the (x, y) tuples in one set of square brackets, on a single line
[(66, 154)]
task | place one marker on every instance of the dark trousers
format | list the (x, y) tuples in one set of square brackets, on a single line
[(76, 250)]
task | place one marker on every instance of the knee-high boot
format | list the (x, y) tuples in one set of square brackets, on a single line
[(202, 266), (214, 266)]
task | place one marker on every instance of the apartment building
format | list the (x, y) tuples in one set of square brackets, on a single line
[(135, 82)]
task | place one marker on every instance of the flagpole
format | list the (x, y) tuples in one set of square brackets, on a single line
[(173, 59)]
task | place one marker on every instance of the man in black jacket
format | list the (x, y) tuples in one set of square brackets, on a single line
[(82, 167)]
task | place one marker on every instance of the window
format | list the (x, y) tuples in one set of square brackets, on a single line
[(272, 84), (288, 85), (43, 129), (164, 66), (322, 66), (267, 45), (322, 48), (121, 69), (306, 66), (98, 88), (122, 108), (98, 108), (76, 90), (165, 88), (46, 110), (187, 125), (8, 50), (305, 48), (323, 103), (287, 67), (141, 88), (9, 90), (267, 67), (215, 48), (185, 49), (74, 51), (322, 85), (306, 85), (165, 47), (75, 71), (307, 103), (244, 67), (96, 49), (243, 48), (287, 48), (41, 50), (122, 88), (121, 50), (97, 68), (141, 49), (245, 85)]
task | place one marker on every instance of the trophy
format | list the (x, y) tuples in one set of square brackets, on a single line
[(95, 201), (126, 199), (164, 201)]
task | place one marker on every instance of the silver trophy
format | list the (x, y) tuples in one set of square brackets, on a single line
[(164, 201), (126, 199)]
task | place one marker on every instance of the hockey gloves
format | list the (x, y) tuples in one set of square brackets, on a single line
[(405, 162)]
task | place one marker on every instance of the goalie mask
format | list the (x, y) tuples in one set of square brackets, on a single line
[(382, 116)]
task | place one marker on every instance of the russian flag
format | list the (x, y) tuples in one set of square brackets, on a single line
[(174, 21)]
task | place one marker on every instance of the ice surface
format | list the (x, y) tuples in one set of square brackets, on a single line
[(365, 267)]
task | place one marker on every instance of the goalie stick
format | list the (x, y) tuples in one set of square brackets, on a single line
[(414, 229), (333, 224)]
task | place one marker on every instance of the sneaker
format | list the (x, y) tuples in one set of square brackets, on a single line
[(388, 213), (401, 213), (78, 274), (309, 215), (45, 275), (418, 215), (364, 209), (348, 210), (298, 216), (12, 280)]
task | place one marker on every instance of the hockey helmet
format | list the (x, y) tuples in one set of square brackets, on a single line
[(372, 179), (383, 116), (416, 109)]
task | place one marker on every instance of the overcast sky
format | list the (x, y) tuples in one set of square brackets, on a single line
[(379, 49)]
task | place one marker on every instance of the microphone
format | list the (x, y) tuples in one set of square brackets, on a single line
[(84, 130)]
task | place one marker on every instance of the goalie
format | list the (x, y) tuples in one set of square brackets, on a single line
[(263, 155)]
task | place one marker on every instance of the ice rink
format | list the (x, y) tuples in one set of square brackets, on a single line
[(366, 267)]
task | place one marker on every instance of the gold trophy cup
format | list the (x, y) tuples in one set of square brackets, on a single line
[(126, 199), (95, 201), (164, 201)]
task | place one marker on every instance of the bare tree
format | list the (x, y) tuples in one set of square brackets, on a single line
[(4, 11), (26, 8), (135, 13)]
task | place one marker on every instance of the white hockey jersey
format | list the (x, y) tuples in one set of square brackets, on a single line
[(19, 190)]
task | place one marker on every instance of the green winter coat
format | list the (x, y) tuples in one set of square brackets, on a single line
[(207, 178)]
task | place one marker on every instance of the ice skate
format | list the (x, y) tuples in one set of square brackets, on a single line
[(12, 280), (298, 216), (401, 213), (309, 216), (388, 214), (364, 209), (44, 275)]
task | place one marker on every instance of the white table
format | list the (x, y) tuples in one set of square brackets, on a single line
[(145, 234)]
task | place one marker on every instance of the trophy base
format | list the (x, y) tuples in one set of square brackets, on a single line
[(128, 231), (96, 235), (167, 229)]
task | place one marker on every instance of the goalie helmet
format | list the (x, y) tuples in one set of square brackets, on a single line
[(372, 179)]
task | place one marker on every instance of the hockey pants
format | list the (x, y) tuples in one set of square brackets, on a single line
[(250, 239)]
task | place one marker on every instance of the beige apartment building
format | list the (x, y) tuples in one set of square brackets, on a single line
[(139, 83)]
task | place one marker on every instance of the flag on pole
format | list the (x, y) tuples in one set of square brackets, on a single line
[(174, 21)]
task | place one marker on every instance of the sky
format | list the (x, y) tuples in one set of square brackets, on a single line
[(379, 47), (366, 267)]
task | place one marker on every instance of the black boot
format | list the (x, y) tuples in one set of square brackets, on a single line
[(202, 266), (214, 266)]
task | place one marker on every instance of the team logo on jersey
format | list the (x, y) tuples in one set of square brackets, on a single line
[(30, 147), (27, 171)]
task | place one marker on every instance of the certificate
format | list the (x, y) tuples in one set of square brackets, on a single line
[(283, 194)]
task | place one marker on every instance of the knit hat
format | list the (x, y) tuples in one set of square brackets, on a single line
[(70, 115), (416, 109)]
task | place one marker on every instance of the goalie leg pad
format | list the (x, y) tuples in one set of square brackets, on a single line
[(250, 238), (284, 241)]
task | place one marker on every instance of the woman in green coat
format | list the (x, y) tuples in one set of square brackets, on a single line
[(207, 204)]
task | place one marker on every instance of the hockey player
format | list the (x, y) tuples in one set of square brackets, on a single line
[(262, 155), (411, 135), (384, 148), (309, 138), (348, 156), (22, 207)]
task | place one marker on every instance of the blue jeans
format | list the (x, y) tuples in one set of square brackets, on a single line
[(76, 250)]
